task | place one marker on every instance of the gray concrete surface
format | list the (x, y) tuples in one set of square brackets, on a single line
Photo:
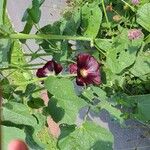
[(132, 137)]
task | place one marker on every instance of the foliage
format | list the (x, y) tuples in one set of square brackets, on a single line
[(115, 35)]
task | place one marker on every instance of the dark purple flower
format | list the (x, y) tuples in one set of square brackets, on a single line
[(51, 67), (87, 69), (135, 2), (134, 34), (73, 68)]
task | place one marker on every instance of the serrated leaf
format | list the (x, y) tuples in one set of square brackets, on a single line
[(64, 96), (88, 136), (18, 113), (91, 19), (143, 16)]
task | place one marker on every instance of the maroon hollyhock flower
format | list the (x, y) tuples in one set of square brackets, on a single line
[(51, 67), (87, 69)]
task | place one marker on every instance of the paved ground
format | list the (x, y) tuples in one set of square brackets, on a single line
[(134, 136)]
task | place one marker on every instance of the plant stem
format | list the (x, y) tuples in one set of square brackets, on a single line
[(46, 36), (132, 8), (86, 115), (50, 37), (12, 66), (37, 54), (44, 78), (99, 49), (105, 13)]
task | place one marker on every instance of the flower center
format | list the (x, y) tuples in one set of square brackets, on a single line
[(83, 73), (49, 73)]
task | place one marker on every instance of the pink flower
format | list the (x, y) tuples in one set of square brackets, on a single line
[(134, 34), (87, 69), (135, 2), (51, 67)]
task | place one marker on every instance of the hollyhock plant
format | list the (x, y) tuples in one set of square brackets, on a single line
[(134, 34), (51, 67), (135, 2), (87, 69)]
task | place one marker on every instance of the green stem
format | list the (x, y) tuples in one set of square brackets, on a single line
[(13, 66), (50, 37), (86, 115), (46, 36), (39, 54), (42, 79), (32, 65), (99, 49), (132, 8), (105, 13)]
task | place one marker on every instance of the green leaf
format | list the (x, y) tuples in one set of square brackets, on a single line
[(143, 16), (17, 58), (143, 105), (18, 114), (88, 93), (11, 133), (47, 139), (105, 103), (35, 14), (32, 15), (87, 136), (99, 92), (123, 52), (5, 52), (71, 22), (63, 96), (103, 44), (91, 19), (142, 65), (35, 103), (51, 45), (63, 53), (56, 87)]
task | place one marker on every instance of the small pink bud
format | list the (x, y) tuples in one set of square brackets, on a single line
[(135, 2), (134, 34)]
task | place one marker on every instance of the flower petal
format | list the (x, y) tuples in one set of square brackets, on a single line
[(83, 60), (73, 68), (91, 66), (80, 81), (90, 79), (57, 67), (50, 67), (41, 73)]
